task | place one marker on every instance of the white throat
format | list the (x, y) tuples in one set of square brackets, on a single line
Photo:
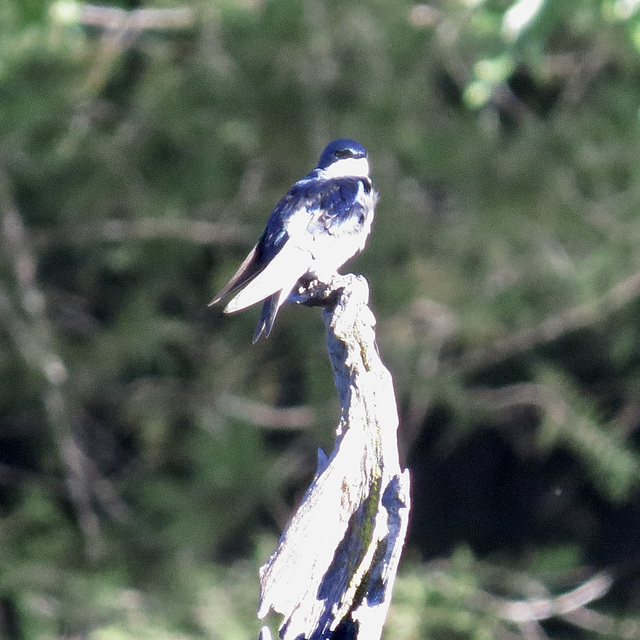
[(356, 167)]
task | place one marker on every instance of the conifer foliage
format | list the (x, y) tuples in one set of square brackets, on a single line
[(150, 455)]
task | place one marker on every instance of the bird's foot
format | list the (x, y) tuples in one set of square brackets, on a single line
[(312, 292)]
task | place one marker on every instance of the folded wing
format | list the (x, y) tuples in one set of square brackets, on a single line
[(279, 275), (247, 270)]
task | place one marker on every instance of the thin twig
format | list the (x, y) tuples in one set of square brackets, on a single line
[(263, 415), (583, 316), (137, 20), (527, 614), (195, 231), (528, 610)]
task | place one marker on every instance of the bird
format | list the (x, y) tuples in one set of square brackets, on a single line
[(322, 221)]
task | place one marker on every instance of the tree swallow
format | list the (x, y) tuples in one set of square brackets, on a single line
[(321, 222)]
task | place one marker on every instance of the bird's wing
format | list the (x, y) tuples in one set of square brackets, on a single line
[(247, 270), (280, 274), (271, 242)]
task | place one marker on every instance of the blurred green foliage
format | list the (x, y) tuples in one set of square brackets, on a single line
[(150, 455)]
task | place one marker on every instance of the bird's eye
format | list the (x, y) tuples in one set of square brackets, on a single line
[(344, 153)]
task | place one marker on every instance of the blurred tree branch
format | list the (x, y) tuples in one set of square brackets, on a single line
[(263, 415), (123, 24), (35, 339), (135, 20), (566, 418), (576, 318), (196, 231), (526, 614)]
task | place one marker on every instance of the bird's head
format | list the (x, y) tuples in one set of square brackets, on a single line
[(344, 158)]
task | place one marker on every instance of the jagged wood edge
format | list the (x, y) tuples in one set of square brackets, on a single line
[(333, 571)]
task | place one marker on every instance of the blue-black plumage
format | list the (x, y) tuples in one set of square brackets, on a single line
[(322, 221)]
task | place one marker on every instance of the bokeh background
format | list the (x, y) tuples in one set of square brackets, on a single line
[(150, 455)]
